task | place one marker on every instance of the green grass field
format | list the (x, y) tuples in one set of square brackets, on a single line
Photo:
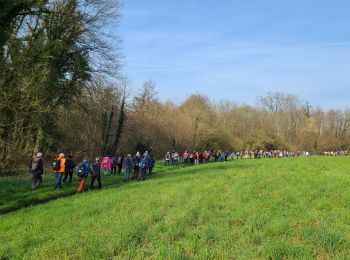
[(15, 190), (251, 209)]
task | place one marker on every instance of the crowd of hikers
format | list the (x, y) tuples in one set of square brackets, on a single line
[(197, 157), (141, 165), (136, 168)]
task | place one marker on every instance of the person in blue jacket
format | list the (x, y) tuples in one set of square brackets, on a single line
[(84, 169), (142, 168)]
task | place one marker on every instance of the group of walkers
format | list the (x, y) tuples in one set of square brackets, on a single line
[(198, 157), (195, 157), (257, 154), (141, 165), (337, 153)]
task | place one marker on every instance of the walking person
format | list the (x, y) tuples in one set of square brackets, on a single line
[(106, 165), (200, 157), (128, 167), (185, 156), (191, 156), (167, 158), (136, 162), (226, 155), (217, 155), (150, 164), (114, 164), (142, 169), (120, 162), (204, 156), (223, 156), (70, 165), (208, 157), (214, 154), (83, 172), (59, 167), (172, 157), (95, 174), (196, 158), (36, 168), (176, 159)]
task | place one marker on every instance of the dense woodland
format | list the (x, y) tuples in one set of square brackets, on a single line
[(62, 89)]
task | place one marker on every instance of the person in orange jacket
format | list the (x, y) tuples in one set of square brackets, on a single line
[(59, 168)]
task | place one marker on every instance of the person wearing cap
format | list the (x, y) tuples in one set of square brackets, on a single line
[(36, 168), (60, 172)]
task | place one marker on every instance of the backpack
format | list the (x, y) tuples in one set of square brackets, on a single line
[(56, 165), (81, 169), (142, 163), (70, 164), (35, 165), (96, 169)]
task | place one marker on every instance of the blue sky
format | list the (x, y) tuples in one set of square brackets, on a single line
[(240, 49)]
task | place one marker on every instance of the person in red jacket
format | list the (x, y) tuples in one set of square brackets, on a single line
[(196, 158), (185, 156), (204, 156)]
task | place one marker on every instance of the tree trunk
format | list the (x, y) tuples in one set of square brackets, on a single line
[(39, 140), (122, 116), (106, 131)]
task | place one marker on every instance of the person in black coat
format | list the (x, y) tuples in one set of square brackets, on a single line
[(150, 164), (120, 162), (70, 165), (96, 174), (135, 162)]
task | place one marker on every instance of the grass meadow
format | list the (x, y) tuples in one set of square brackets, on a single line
[(249, 209), (15, 190)]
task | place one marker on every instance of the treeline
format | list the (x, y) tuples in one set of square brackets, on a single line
[(50, 52), (140, 122), (60, 90), (278, 121)]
